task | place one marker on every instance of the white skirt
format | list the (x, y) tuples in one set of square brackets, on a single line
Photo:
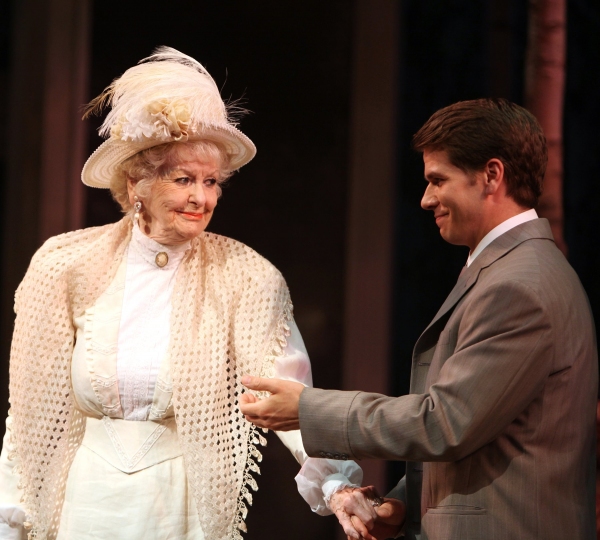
[(105, 503)]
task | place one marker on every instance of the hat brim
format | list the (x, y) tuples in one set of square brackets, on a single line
[(102, 165)]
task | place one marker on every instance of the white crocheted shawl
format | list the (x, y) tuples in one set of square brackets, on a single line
[(230, 313)]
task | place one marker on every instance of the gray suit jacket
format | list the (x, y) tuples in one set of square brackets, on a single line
[(498, 430)]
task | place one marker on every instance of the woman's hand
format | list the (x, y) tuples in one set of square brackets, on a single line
[(355, 511), (365, 516)]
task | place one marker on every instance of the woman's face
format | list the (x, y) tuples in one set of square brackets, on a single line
[(180, 205)]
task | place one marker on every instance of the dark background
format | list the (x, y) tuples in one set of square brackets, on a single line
[(292, 64)]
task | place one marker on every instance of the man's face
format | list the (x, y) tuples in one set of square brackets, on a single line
[(456, 199)]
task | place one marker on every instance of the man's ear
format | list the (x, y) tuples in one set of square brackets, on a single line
[(494, 176)]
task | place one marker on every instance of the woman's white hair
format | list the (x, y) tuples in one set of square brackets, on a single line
[(157, 162)]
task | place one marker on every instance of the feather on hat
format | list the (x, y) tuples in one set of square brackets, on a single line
[(167, 97)]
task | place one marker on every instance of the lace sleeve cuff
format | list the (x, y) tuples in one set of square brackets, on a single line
[(319, 479), (11, 522), (12, 515)]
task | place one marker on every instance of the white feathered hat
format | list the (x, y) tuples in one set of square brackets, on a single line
[(167, 97)]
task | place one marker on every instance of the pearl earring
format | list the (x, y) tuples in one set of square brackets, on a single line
[(137, 206)]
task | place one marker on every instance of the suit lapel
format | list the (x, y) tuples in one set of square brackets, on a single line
[(537, 228)]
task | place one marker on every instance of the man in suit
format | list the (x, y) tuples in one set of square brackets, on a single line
[(498, 430)]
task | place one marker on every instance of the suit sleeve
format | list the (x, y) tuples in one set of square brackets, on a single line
[(499, 364), (399, 491)]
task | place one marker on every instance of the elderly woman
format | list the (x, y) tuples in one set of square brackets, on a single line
[(131, 339)]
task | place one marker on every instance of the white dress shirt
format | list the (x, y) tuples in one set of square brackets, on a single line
[(499, 230)]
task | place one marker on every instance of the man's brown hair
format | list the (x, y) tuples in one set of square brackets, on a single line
[(473, 132)]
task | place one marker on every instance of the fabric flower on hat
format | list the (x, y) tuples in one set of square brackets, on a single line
[(172, 118), (161, 120)]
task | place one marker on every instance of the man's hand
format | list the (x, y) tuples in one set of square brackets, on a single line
[(365, 516), (390, 518), (279, 411)]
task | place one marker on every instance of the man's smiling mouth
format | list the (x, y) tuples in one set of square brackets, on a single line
[(439, 217)]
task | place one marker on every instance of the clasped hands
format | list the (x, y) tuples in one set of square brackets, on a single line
[(365, 516), (358, 510)]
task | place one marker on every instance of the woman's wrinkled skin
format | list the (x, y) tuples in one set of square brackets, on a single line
[(180, 205), (361, 520)]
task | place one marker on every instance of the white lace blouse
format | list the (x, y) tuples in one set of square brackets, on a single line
[(129, 461)]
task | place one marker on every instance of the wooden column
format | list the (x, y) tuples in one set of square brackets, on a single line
[(46, 140), (544, 97), (370, 206)]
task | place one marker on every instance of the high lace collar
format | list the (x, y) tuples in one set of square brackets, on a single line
[(149, 249)]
